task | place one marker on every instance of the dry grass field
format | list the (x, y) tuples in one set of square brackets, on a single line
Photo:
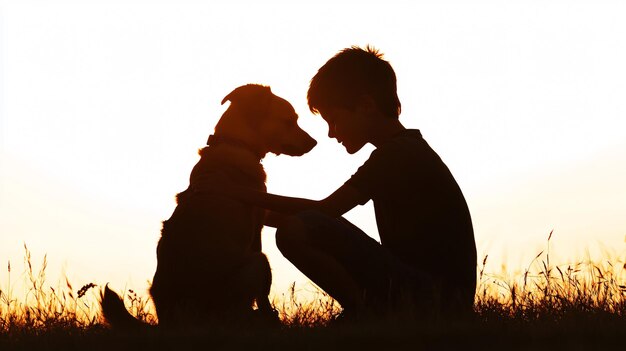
[(572, 307)]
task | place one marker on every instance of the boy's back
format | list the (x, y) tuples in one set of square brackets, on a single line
[(421, 213)]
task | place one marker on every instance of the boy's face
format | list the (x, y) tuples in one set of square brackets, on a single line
[(351, 127)]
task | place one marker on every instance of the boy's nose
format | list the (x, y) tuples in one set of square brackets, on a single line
[(331, 132)]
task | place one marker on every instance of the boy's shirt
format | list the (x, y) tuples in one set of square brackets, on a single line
[(421, 213)]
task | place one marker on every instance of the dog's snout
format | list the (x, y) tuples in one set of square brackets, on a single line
[(311, 144), (308, 143), (300, 145)]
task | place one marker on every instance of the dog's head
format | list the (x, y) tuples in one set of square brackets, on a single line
[(265, 121)]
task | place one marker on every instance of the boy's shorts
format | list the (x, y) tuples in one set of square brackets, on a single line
[(384, 280)]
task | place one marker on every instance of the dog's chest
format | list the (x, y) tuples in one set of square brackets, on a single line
[(209, 216)]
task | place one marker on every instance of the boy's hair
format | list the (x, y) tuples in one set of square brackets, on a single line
[(350, 74)]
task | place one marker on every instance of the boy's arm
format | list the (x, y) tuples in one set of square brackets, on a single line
[(341, 201), (335, 205)]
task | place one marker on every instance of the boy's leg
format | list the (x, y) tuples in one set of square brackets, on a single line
[(319, 266), (337, 256)]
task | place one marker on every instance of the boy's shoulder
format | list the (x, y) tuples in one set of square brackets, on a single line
[(406, 138), (405, 144), (399, 160)]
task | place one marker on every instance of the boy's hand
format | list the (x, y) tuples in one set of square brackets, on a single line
[(216, 183)]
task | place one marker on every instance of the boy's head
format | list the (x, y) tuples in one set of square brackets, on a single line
[(351, 74), (355, 91)]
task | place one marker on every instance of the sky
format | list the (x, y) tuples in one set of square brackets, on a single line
[(104, 104)]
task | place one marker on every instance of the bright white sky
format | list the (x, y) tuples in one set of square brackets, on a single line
[(104, 104)]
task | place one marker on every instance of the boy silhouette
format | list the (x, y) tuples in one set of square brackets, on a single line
[(426, 261)]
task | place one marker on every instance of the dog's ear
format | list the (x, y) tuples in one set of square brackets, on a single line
[(250, 93), (251, 102)]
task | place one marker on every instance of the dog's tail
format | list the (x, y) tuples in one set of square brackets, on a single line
[(115, 312)]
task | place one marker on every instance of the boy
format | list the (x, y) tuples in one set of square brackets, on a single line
[(426, 262)]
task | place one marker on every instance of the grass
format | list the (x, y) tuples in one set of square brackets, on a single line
[(580, 306)]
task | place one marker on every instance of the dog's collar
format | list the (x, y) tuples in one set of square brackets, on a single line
[(218, 139)]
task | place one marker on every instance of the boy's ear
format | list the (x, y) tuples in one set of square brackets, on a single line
[(367, 104)]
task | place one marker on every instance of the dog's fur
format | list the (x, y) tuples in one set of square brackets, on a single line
[(210, 264)]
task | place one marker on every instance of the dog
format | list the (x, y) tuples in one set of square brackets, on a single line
[(210, 266)]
